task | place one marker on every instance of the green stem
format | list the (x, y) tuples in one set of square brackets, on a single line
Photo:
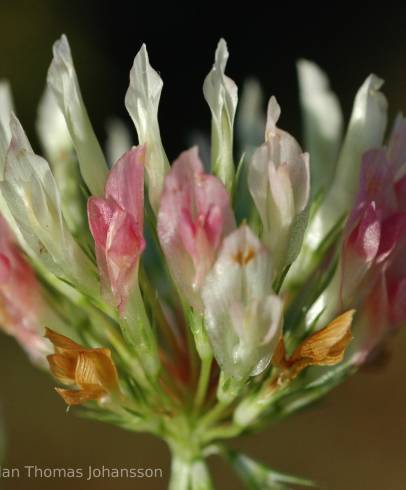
[(204, 380), (213, 415), (189, 474), (221, 432)]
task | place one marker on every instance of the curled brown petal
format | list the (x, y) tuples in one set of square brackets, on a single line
[(91, 370), (325, 347), (78, 397)]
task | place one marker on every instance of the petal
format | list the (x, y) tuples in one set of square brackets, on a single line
[(59, 150), (377, 181), (100, 213), (397, 299), (124, 246), (372, 322), (63, 367), (119, 140), (323, 122), (250, 120), (241, 317), (79, 397), (64, 84), (194, 215), (400, 189), (60, 342), (393, 228), (365, 130), (125, 183), (52, 129), (33, 200), (6, 107), (258, 185), (142, 101), (272, 117), (95, 367), (282, 198), (364, 239), (221, 95), (397, 145), (327, 346), (359, 251)]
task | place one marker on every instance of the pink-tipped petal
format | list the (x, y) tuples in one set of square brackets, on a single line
[(397, 144), (376, 181), (116, 223), (393, 228), (124, 246), (20, 301), (100, 214), (194, 216), (359, 251), (125, 183), (397, 299)]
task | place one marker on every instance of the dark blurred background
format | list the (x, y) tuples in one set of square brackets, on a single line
[(355, 439)]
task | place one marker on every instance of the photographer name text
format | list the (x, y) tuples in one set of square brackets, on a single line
[(84, 473)]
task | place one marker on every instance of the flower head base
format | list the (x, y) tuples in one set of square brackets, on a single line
[(215, 316)]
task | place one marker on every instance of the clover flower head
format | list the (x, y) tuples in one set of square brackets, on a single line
[(223, 298)]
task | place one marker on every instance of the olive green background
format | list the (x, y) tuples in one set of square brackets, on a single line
[(356, 438)]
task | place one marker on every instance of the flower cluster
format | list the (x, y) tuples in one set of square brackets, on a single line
[(220, 300)]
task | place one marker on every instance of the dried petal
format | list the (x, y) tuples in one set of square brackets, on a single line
[(325, 347), (91, 370)]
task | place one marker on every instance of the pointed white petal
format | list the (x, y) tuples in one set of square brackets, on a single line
[(6, 106), (142, 101), (59, 150), (221, 95), (32, 197), (64, 84), (365, 131), (52, 129), (250, 120), (118, 140), (242, 316), (323, 122)]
